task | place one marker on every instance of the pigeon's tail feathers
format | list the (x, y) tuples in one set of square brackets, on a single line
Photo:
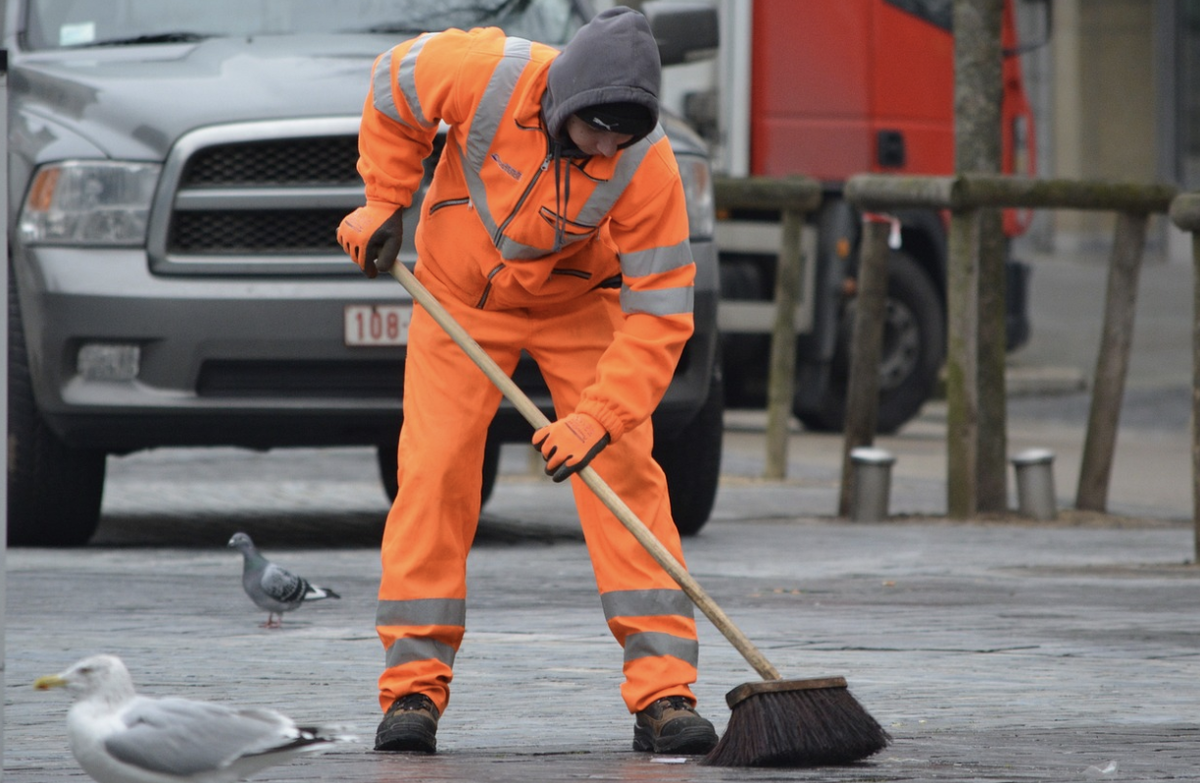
[(316, 593)]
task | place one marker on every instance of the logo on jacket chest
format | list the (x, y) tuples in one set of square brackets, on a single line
[(506, 168)]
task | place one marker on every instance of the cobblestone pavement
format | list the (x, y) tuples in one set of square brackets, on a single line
[(996, 649), (1001, 650)]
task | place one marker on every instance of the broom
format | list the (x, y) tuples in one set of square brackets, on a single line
[(774, 723)]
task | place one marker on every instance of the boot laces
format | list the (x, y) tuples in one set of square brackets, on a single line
[(677, 703), (413, 702)]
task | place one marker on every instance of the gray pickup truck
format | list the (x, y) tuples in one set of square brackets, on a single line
[(177, 173)]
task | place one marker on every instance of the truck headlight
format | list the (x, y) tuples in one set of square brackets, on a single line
[(88, 203), (697, 189)]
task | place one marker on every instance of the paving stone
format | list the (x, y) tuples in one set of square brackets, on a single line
[(990, 650)]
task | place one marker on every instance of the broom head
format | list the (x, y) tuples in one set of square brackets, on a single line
[(796, 723)]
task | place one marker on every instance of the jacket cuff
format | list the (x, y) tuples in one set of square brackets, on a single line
[(608, 418)]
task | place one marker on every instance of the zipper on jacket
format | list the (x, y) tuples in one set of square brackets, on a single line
[(612, 282), (581, 274), (487, 289), (451, 202), (498, 237)]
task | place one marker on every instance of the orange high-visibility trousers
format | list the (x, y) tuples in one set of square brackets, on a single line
[(448, 405)]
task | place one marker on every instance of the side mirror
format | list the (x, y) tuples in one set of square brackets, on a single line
[(685, 31)]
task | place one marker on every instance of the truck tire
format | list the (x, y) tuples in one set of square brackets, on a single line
[(386, 456), (691, 459), (914, 346), (54, 491)]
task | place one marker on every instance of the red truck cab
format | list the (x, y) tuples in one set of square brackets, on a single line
[(842, 88)]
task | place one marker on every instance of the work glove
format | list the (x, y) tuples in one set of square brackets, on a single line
[(569, 444), (371, 235)]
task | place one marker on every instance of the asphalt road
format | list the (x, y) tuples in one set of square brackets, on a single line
[(168, 497), (993, 649), (1000, 650)]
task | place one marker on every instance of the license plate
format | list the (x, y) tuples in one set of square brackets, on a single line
[(377, 325)]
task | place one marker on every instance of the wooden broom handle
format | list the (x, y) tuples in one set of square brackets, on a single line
[(607, 496)]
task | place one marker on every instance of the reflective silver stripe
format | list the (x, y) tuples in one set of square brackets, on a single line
[(381, 87), (486, 122), (422, 611), (594, 210), (492, 106), (407, 650), (646, 603), (515, 251), (406, 82), (661, 302), (652, 645), (656, 260), (601, 201), (475, 185)]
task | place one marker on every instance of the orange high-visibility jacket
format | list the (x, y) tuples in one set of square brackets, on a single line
[(510, 221)]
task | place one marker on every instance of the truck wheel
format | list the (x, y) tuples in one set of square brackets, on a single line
[(54, 491), (692, 462), (914, 345), (386, 455)]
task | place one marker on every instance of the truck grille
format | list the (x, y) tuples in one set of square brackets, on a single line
[(246, 233), (281, 163), (258, 198), (325, 161)]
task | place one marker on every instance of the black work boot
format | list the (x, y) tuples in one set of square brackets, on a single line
[(672, 725), (409, 724)]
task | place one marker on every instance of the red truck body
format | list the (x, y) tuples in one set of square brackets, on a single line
[(834, 88), (842, 88)]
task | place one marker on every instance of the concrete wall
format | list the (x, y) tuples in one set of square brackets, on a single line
[(1103, 113)]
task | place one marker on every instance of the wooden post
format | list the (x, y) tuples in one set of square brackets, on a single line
[(1185, 213), (1112, 362), (794, 197), (992, 468), (966, 195), (978, 94), (866, 345), (782, 371), (1196, 396), (962, 389)]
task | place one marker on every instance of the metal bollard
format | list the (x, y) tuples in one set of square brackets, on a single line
[(1035, 483), (872, 483)]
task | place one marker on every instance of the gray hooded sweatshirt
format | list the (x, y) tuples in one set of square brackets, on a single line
[(612, 59)]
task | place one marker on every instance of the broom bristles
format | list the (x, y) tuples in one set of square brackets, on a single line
[(798, 728)]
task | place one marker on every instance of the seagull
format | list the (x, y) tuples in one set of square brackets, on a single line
[(118, 736), (273, 588)]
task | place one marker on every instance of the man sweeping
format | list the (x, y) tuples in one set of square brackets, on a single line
[(555, 224)]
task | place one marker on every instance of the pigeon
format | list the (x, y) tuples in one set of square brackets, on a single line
[(118, 736), (273, 588)]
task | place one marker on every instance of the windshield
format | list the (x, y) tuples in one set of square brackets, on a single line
[(61, 24)]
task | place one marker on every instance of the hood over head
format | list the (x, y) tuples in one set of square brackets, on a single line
[(610, 73)]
